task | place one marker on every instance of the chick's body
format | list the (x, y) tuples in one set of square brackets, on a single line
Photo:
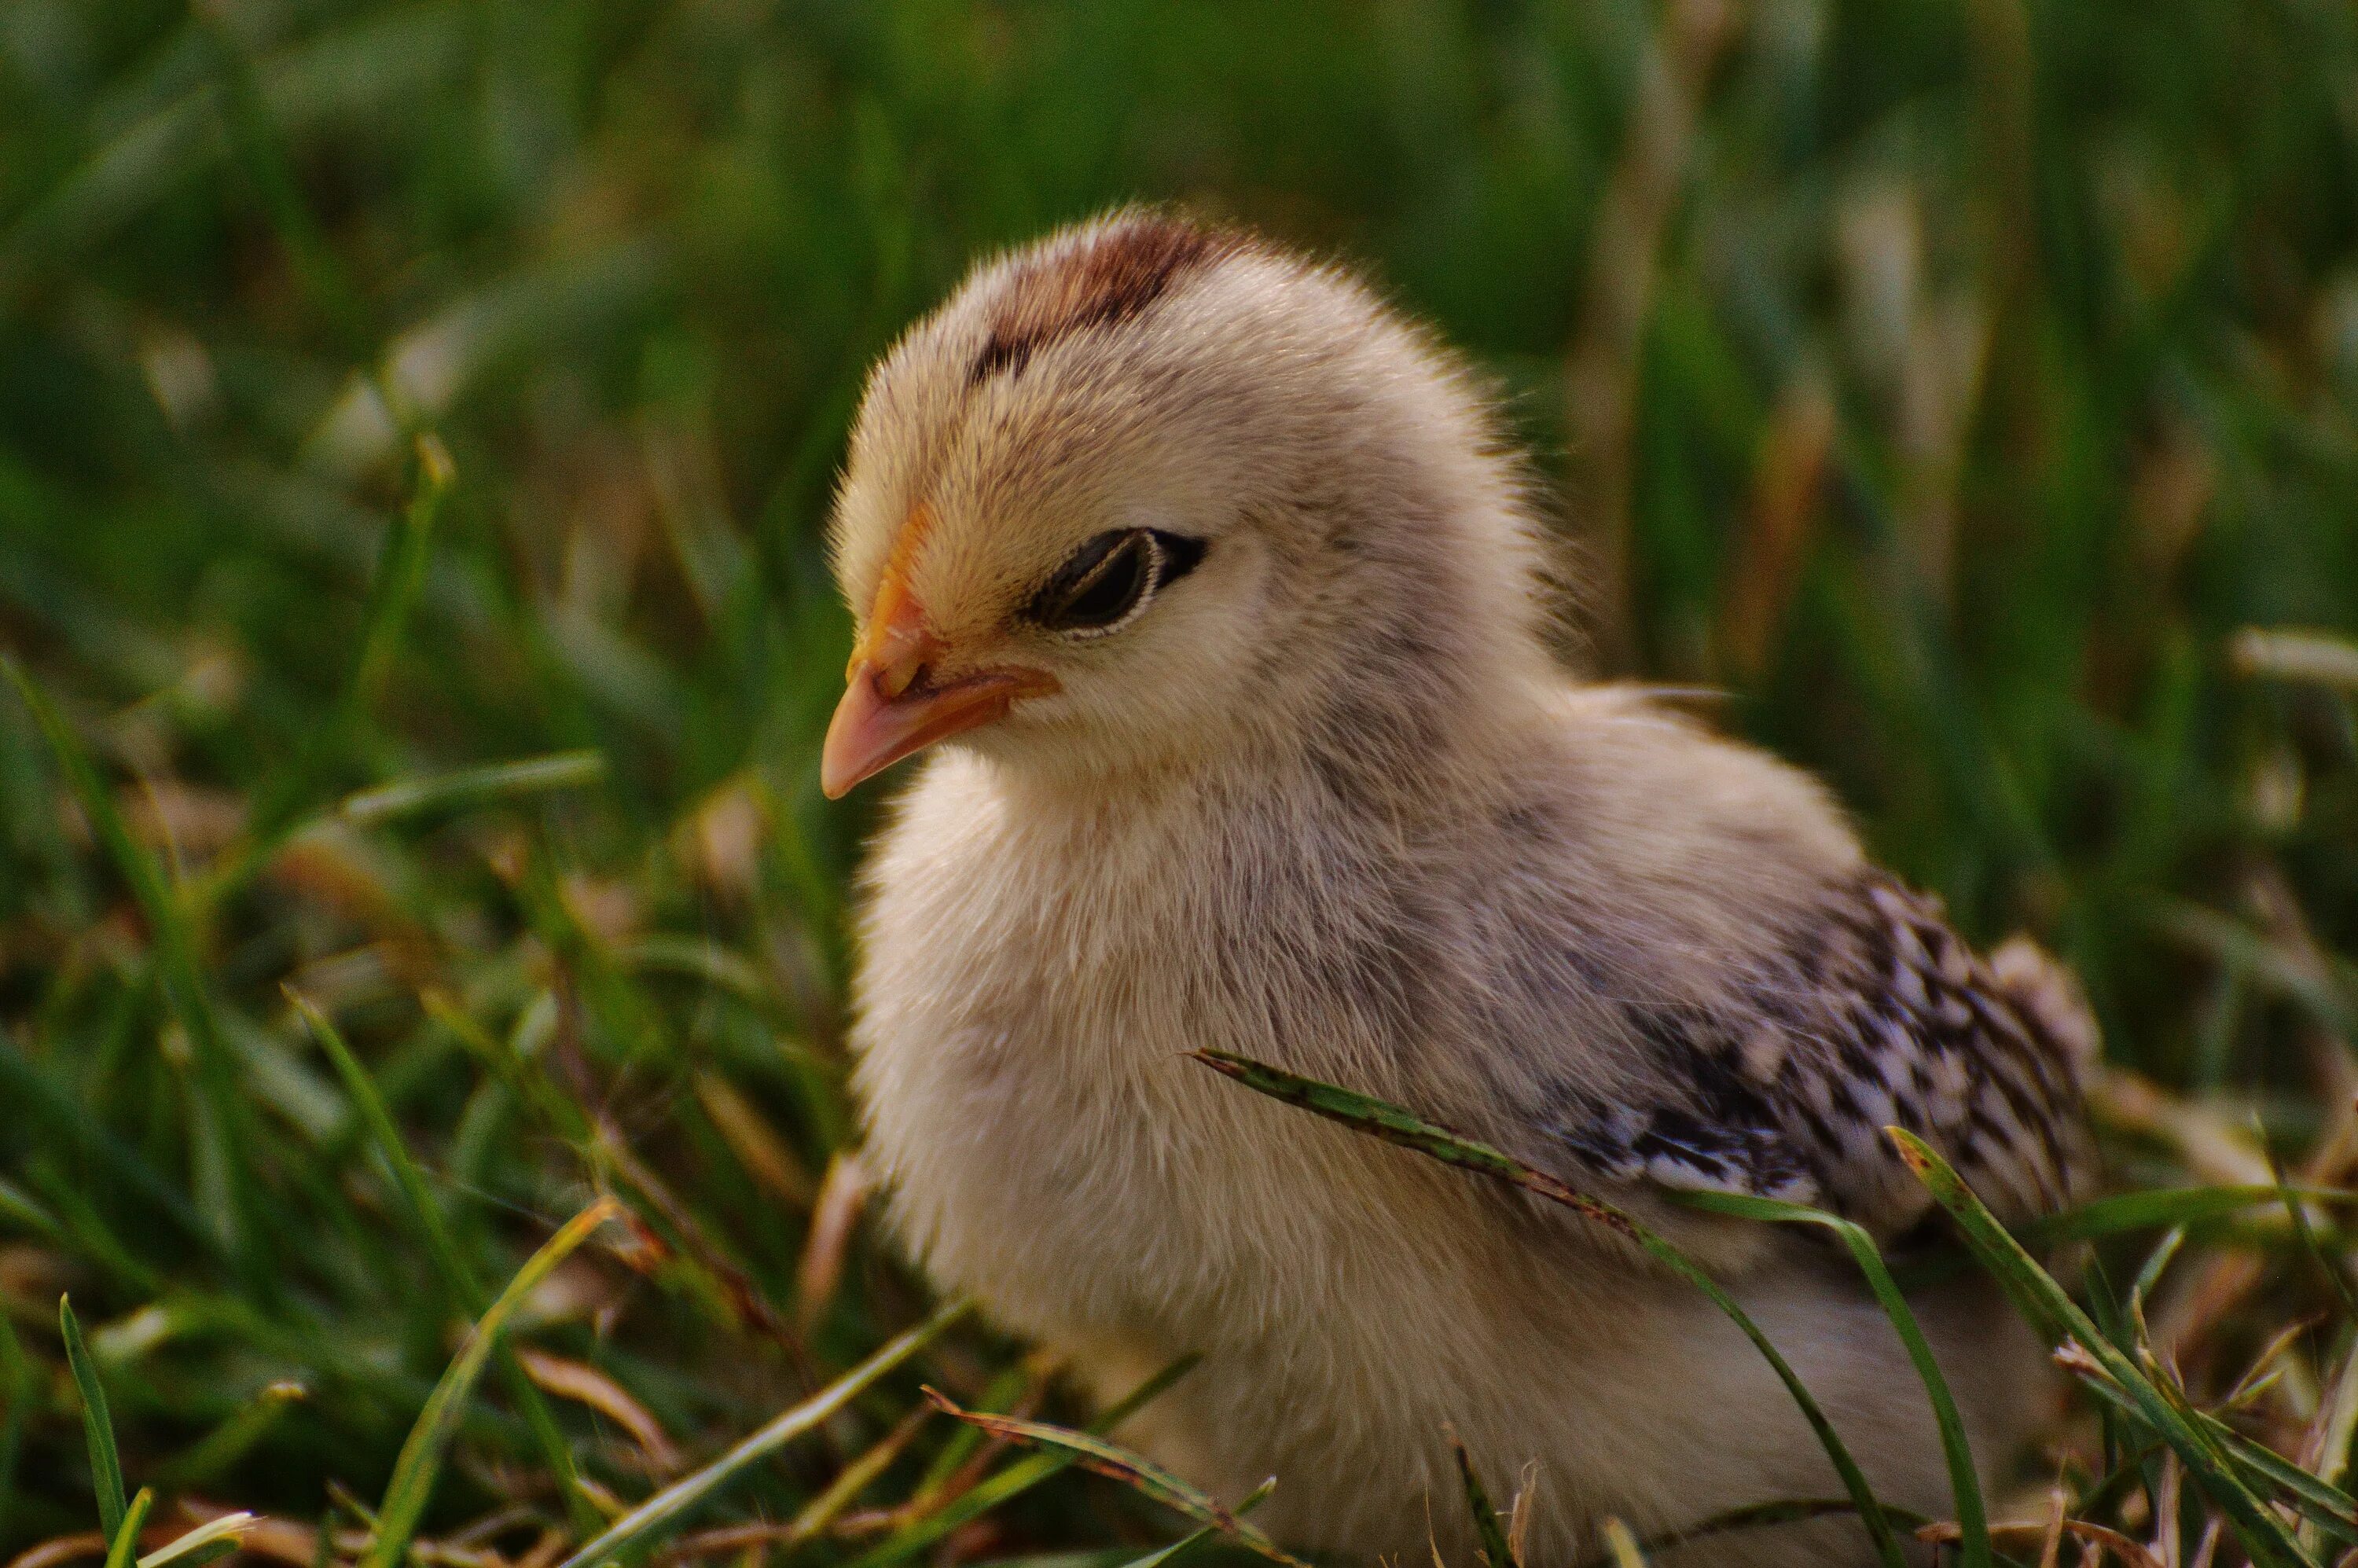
[(1328, 803)]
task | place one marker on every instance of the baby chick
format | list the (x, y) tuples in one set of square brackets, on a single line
[(1222, 578)]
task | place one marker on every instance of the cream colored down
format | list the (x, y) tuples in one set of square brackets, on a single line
[(1330, 802)]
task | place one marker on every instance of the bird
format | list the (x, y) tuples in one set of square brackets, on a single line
[(1228, 620)]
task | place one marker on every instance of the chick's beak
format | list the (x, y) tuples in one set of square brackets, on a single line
[(895, 703)]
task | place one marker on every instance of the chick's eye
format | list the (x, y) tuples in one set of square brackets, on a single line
[(1102, 584)]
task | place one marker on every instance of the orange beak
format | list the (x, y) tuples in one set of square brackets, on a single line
[(893, 702)]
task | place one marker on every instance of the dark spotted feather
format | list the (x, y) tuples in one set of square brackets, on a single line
[(1872, 1014)]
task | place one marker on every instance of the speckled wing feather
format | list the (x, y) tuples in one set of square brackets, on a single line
[(1872, 1014)]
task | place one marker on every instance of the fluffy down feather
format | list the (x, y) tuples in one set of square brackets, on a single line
[(1329, 800)]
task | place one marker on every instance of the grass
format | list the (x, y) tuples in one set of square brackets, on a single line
[(415, 426)]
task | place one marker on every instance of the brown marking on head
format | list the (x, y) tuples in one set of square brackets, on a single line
[(1120, 271)]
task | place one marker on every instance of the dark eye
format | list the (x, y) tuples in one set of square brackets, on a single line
[(1109, 579)]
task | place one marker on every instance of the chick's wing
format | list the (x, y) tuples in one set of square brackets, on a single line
[(1872, 1014)]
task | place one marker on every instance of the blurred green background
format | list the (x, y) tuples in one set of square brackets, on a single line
[(1950, 383)]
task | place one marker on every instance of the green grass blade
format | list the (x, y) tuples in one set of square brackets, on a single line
[(16, 1388), (98, 1427), (138, 868), (1100, 1457), (458, 1278), (36, 1096), (2156, 1211), (1488, 1533), (474, 786), (2232, 1459), (393, 587), (123, 1540), (2322, 1500), (21, 1209), (420, 1460), (854, 1479), (177, 961), (2156, 1264), (1394, 1125), (2325, 1504), (2335, 1280), (2340, 1421), (998, 1395), (1163, 1557), (87, 1232), (646, 1525), (1018, 1478), (2262, 1533), (528, 1080), (1964, 1480), (232, 1440), (400, 574), (369, 1105), (253, 135)]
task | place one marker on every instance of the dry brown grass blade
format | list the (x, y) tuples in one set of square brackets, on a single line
[(546, 1549), (1101, 1457), (822, 1511), (759, 1539), (833, 1220), (585, 1385), (1620, 1545), (2296, 655), (280, 1540), (755, 1143), (1780, 520), (1633, 214), (2126, 1552), (61, 1549), (2214, 1146), (2166, 1505), (73, 1547), (2051, 1547), (752, 1309), (1520, 1511)]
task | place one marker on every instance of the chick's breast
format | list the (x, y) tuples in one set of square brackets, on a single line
[(1033, 979)]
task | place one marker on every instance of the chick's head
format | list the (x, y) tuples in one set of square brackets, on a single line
[(1147, 490)]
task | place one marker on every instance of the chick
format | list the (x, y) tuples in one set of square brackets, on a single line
[(1223, 580)]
